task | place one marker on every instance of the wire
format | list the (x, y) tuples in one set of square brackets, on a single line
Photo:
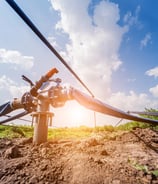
[(14, 117), (119, 122), (19, 118)]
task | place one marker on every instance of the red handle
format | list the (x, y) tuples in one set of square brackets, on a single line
[(43, 79), (51, 72)]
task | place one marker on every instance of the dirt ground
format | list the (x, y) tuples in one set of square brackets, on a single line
[(103, 158)]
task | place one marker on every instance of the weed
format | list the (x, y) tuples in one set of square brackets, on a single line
[(143, 168)]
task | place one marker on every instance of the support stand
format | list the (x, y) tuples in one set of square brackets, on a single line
[(41, 120)]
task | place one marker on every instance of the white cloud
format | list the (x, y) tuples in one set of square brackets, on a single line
[(154, 91), (152, 72), (52, 40), (94, 41), (145, 41), (131, 80), (133, 19), (132, 101), (16, 59), (93, 48), (10, 89)]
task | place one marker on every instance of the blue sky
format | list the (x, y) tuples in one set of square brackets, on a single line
[(112, 46)]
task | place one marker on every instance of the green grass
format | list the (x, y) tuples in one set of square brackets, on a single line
[(61, 133), (131, 125), (7, 131), (143, 168), (53, 133)]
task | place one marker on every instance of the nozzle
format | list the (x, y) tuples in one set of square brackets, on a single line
[(51, 72), (43, 79)]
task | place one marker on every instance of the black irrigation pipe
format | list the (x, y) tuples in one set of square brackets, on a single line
[(25, 18)]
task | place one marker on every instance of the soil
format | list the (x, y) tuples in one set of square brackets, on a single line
[(102, 158)]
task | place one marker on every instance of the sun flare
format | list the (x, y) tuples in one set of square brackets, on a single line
[(72, 115), (77, 115)]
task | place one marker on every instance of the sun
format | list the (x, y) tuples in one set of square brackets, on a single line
[(77, 114), (73, 115)]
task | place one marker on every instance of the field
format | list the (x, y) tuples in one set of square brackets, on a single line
[(104, 155)]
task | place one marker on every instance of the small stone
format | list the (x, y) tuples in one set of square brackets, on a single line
[(12, 152), (8, 143), (26, 141), (149, 177), (33, 180), (116, 182), (98, 161), (69, 144), (44, 167), (104, 152), (44, 152)]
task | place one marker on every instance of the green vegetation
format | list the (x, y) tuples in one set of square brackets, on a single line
[(7, 131), (131, 125), (59, 133), (143, 168), (150, 110), (53, 133), (15, 131)]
